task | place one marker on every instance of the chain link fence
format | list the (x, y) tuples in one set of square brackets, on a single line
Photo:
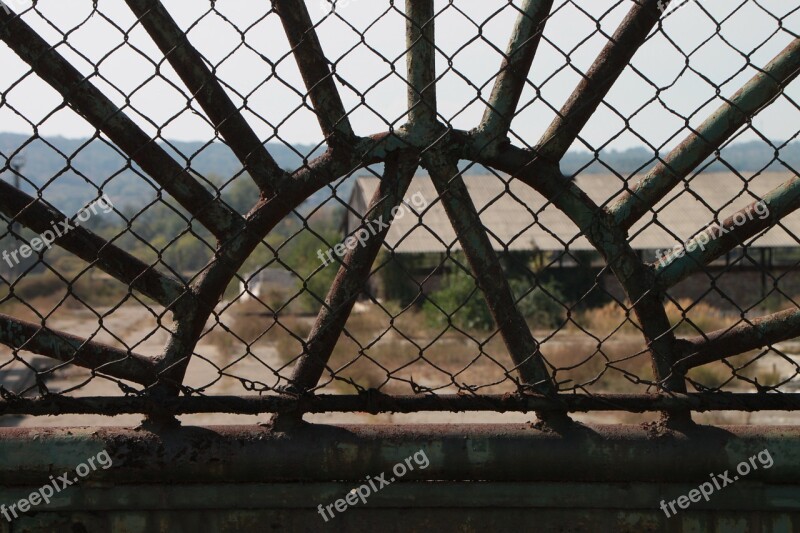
[(399, 206)]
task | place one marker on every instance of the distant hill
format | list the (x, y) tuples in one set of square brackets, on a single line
[(749, 156), (69, 171)]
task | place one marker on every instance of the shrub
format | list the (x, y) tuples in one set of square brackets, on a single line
[(540, 304), (461, 301)]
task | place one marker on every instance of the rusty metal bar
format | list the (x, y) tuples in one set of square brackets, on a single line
[(38, 216), (315, 70), (208, 91), (483, 260), (504, 100), (595, 223), (621, 506), (602, 75), (421, 64), (354, 272), (475, 452), (734, 231), (440, 505), (752, 334), (89, 102), (68, 348), (376, 403), (756, 94)]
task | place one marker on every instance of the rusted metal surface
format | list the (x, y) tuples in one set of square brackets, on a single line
[(750, 335), (600, 78), (524, 349), (89, 102), (730, 233), (352, 276), (507, 91), (374, 402), (521, 506), (636, 279), (311, 452), (40, 217), (756, 94), (62, 346), (316, 73), (208, 91), (421, 64)]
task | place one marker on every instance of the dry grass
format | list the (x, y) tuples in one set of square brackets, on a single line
[(395, 355), (614, 367), (608, 320), (251, 325), (742, 372), (687, 318), (754, 368), (696, 318), (710, 376), (769, 378)]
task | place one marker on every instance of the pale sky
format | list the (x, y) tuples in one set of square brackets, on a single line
[(274, 98)]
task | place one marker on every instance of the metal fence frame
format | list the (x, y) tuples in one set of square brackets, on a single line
[(423, 141)]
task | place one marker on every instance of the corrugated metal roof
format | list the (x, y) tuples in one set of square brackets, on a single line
[(519, 218)]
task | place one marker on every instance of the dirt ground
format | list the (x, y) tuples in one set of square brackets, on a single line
[(215, 370)]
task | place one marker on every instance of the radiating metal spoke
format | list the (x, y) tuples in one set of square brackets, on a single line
[(208, 91), (758, 93), (428, 139), (62, 346), (491, 279), (353, 274), (602, 75), (315, 70), (750, 335), (88, 101), (210, 286), (421, 64), (93, 249), (507, 91), (637, 280), (734, 231)]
